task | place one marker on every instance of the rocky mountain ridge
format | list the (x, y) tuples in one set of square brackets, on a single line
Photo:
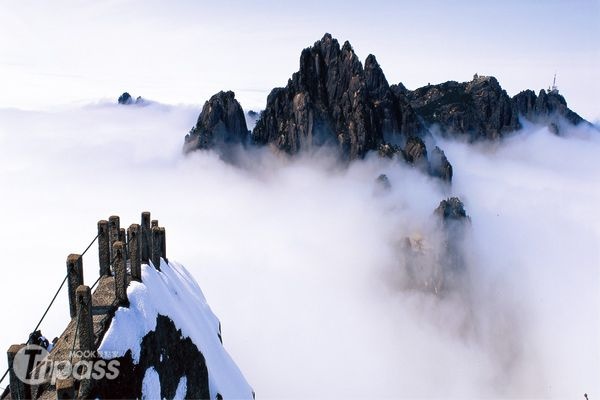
[(333, 100)]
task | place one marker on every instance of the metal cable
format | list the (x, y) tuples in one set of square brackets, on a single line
[(56, 295), (4, 376), (59, 289), (48, 308), (90, 245)]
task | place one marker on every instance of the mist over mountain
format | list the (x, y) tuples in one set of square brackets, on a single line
[(355, 237)]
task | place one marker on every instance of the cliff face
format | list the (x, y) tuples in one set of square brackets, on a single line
[(333, 100)]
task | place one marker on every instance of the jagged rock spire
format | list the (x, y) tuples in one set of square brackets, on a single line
[(333, 100)]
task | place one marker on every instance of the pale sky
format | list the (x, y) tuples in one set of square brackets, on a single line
[(57, 53)]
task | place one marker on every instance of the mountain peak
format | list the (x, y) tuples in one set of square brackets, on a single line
[(332, 100)]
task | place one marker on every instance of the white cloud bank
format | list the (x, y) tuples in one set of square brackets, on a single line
[(300, 260)]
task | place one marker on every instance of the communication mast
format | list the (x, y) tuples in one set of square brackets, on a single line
[(553, 88)]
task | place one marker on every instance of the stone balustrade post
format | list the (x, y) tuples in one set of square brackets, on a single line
[(85, 332), (135, 253), (120, 273), (145, 245), (18, 389), (156, 247), (122, 238), (114, 226), (74, 279), (163, 244), (103, 248)]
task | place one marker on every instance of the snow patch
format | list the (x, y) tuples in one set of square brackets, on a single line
[(181, 389), (151, 385), (174, 293)]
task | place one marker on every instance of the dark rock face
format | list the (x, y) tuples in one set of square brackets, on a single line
[(480, 108), (171, 355), (415, 151), (125, 98), (221, 122), (333, 100), (546, 108), (455, 223), (439, 166), (451, 209)]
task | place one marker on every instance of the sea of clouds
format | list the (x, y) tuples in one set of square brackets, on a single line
[(302, 259)]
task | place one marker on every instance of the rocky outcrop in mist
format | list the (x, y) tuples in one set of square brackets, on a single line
[(333, 100), (126, 99), (220, 123), (546, 108), (437, 269), (451, 209), (455, 222), (480, 108)]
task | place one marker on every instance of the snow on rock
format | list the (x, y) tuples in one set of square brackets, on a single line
[(181, 389), (151, 385), (173, 292)]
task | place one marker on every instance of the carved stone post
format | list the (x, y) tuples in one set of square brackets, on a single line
[(120, 273), (156, 247), (163, 244), (74, 279), (145, 227), (103, 248), (85, 333), (135, 254), (114, 229), (123, 239), (18, 389)]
